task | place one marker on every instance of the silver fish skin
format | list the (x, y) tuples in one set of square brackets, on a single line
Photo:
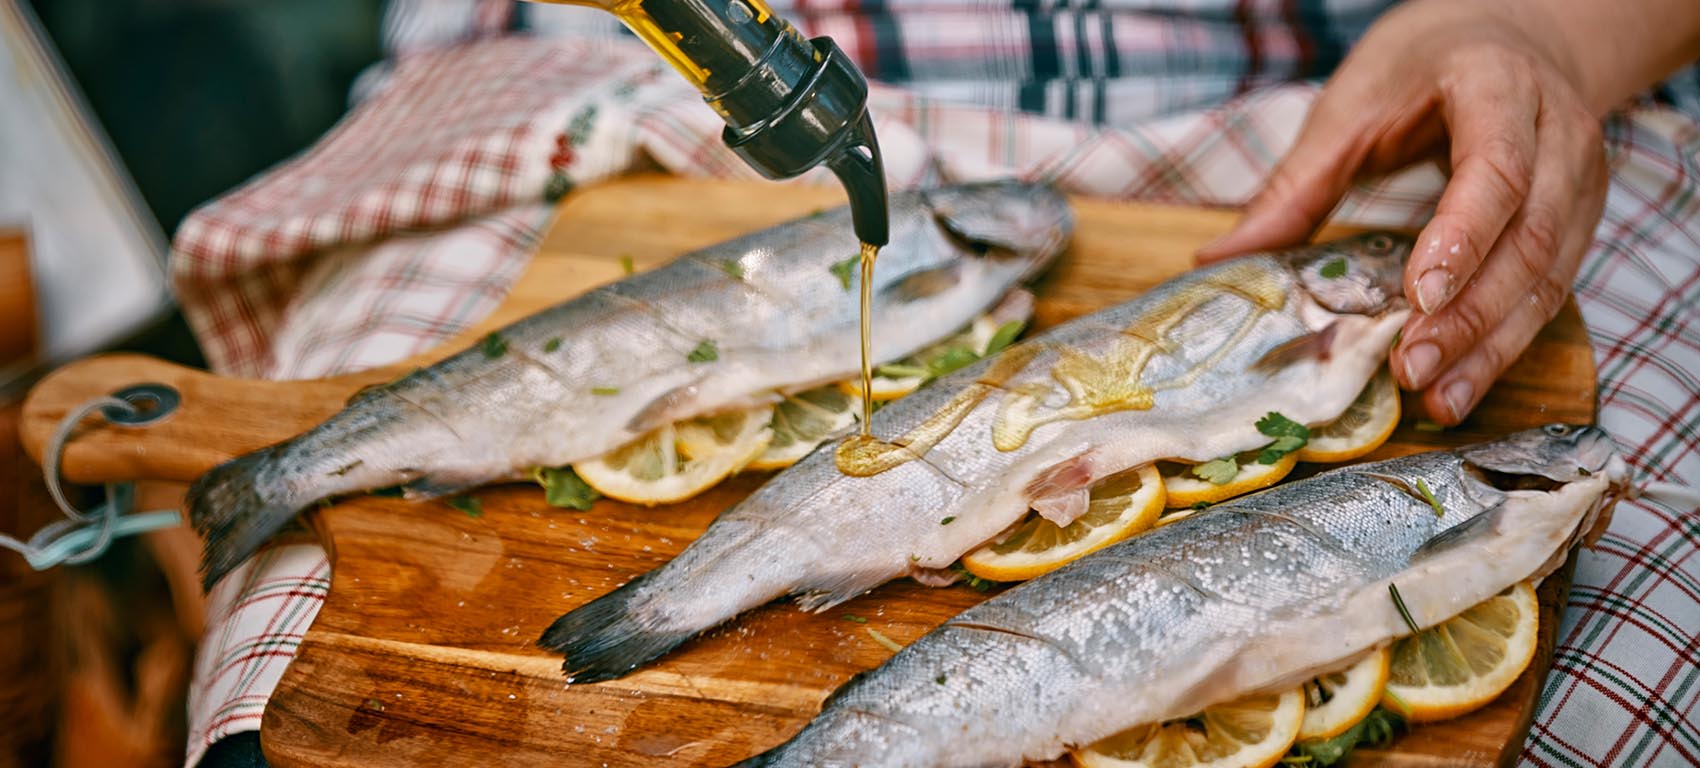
[(778, 315), (1184, 371), (1254, 595)]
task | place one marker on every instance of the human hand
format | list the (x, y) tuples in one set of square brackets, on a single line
[(1468, 82)]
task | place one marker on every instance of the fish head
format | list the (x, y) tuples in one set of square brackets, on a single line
[(1005, 219), (1559, 453), (1360, 275)]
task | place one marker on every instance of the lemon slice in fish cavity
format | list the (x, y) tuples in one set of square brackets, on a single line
[(1336, 701), (1121, 505), (1362, 428), (1252, 732), (680, 460), (1185, 488), (803, 421), (1462, 664)]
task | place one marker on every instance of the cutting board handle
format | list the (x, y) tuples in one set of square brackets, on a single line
[(216, 418)]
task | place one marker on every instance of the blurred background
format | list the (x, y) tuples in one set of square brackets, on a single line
[(117, 117)]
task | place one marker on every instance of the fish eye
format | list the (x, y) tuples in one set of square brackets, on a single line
[(1558, 430), (1380, 243)]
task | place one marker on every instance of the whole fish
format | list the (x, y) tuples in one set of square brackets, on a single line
[(716, 329), (1183, 372), (1258, 594)]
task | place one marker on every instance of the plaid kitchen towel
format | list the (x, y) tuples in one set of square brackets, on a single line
[(411, 219)]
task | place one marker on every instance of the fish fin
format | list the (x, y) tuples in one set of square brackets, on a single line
[(605, 639), (1458, 534), (838, 590), (1311, 346), (934, 577), (666, 409), (926, 283), (1063, 508), (436, 486), (236, 509)]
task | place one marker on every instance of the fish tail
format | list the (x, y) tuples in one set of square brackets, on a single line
[(610, 636), (236, 509)]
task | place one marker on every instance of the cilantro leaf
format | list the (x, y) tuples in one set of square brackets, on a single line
[(627, 265), (1376, 729), (1004, 337), (552, 344), (563, 488), (494, 345), (706, 352), (468, 504), (952, 360), (732, 268), (857, 619), (1334, 269), (1217, 471), (1289, 436), (844, 270)]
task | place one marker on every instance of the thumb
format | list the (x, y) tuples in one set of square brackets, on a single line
[(1300, 193)]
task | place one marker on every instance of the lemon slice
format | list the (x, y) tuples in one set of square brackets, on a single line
[(1186, 489), (803, 421), (1362, 428), (1253, 732), (1121, 505), (1458, 666), (1336, 701), (680, 460)]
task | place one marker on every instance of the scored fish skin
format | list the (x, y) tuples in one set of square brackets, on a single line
[(1257, 594), (774, 304), (1299, 332)]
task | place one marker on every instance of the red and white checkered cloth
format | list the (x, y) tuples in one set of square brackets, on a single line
[(411, 220)]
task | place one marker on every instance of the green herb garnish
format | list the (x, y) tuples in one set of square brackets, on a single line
[(1004, 337), (372, 705), (857, 619), (392, 492), (552, 344), (604, 390), (468, 504), (494, 345), (883, 640), (1376, 730), (940, 679), (1424, 425), (975, 582), (1428, 496), (948, 520), (563, 488), (732, 268), (1399, 603), (1334, 269), (706, 352), (1217, 471), (1200, 505), (844, 270), (1289, 436), (627, 265), (952, 360), (901, 371)]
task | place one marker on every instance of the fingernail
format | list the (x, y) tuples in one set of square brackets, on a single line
[(1458, 396), (1420, 360), (1433, 289)]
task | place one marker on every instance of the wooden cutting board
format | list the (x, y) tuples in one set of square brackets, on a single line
[(422, 653)]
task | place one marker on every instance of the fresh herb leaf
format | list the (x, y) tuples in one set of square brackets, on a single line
[(563, 488), (844, 270), (900, 371), (1424, 425), (1334, 269), (468, 504), (1217, 471), (978, 584), (948, 520), (494, 345), (552, 344), (890, 644), (604, 390), (1399, 603), (732, 268), (372, 705), (1428, 496), (1201, 505), (1289, 436), (392, 492), (940, 679), (857, 619), (1376, 729), (952, 360), (1004, 337), (817, 213), (627, 265), (706, 352)]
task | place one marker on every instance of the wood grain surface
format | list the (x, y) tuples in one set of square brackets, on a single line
[(423, 652)]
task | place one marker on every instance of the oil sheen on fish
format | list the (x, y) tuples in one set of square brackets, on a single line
[(777, 308), (1253, 595), (1182, 372)]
